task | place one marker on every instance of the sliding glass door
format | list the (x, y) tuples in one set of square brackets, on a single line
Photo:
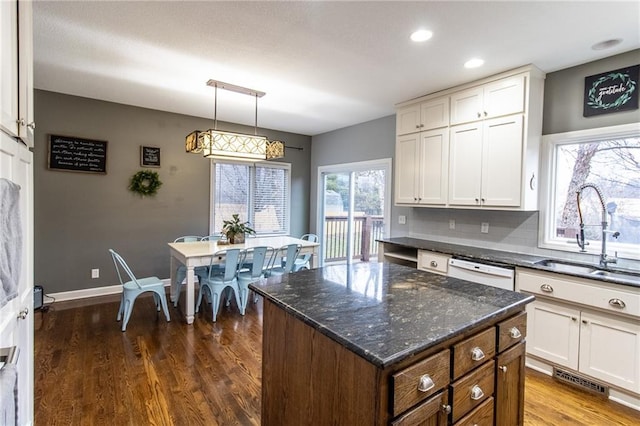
[(354, 200)]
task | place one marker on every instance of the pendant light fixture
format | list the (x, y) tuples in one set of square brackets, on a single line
[(214, 143)]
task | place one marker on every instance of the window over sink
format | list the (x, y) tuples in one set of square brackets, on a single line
[(258, 192), (608, 158)]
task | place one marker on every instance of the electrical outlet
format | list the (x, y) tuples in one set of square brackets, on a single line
[(402, 219), (484, 227), (452, 224), (95, 273)]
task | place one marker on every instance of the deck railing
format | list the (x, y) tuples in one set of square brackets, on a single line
[(366, 230)]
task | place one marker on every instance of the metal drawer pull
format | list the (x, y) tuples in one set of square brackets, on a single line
[(503, 368), (446, 409), (434, 264), (477, 354), (546, 288), (515, 333), (426, 383), (476, 393), (617, 303)]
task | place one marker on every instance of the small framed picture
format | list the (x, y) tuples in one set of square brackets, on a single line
[(149, 156)]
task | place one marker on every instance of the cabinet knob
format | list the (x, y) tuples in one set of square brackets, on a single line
[(417, 126), (23, 313), (546, 288), (515, 333), (32, 125), (422, 125), (433, 264), (477, 200), (482, 199), (446, 409), (426, 383), (476, 393), (479, 115), (617, 303), (574, 319), (477, 354), (503, 368), (585, 322), (20, 122), (485, 113)]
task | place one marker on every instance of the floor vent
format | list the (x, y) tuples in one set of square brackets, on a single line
[(581, 382)]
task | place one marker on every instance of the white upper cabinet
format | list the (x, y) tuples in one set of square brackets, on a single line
[(432, 114), (495, 127), (422, 168), (16, 71), (502, 97)]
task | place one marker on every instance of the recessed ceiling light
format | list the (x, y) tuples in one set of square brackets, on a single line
[(421, 35), (474, 63), (607, 44)]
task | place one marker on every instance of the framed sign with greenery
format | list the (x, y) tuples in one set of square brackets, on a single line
[(611, 91)]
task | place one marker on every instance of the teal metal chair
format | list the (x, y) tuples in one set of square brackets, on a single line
[(134, 287), (304, 261), (216, 282), (256, 271), (286, 257), (181, 272)]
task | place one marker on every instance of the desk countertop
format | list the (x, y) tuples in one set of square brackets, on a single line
[(386, 312)]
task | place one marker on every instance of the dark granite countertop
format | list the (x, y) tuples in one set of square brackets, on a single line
[(386, 312), (500, 258)]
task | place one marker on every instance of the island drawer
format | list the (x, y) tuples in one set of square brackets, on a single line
[(420, 380), (471, 390), (435, 409), (482, 415), (473, 352), (512, 331), (433, 262)]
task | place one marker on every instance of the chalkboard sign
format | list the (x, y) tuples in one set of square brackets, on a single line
[(611, 91), (150, 156), (77, 155)]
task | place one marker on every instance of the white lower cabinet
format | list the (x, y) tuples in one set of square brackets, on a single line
[(567, 329)]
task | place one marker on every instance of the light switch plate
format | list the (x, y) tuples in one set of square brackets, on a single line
[(452, 224), (484, 227), (95, 273), (402, 219)]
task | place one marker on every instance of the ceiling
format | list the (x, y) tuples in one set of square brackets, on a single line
[(323, 65)]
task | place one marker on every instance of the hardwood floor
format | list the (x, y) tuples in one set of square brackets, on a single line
[(88, 372)]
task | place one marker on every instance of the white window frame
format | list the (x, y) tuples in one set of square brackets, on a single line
[(272, 164), (546, 234)]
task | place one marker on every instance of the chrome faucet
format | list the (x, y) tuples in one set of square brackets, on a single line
[(604, 258)]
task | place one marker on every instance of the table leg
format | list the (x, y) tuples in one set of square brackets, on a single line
[(174, 287), (315, 258), (190, 303)]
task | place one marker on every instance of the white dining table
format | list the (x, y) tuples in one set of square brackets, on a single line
[(199, 253)]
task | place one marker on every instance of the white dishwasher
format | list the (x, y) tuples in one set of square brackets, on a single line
[(482, 274)]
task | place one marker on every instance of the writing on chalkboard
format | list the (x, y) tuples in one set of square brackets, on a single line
[(150, 156), (77, 154)]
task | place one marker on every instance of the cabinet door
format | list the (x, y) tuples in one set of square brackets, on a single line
[(610, 350), (504, 97), (9, 67), (408, 120), (26, 121), (553, 332), (502, 161), (465, 164), (434, 167), (434, 114), (509, 399), (407, 169), (466, 105)]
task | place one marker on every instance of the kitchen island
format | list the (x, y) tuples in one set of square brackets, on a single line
[(379, 343)]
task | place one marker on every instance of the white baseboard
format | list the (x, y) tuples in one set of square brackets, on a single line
[(91, 292)]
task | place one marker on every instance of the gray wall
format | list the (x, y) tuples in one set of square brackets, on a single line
[(564, 93), (514, 231), (78, 216), (373, 140)]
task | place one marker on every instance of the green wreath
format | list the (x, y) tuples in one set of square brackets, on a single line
[(145, 182)]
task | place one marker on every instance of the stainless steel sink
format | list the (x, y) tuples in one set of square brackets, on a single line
[(582, 269), (562, 266)]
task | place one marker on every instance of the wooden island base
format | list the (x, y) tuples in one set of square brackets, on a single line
[(310, 379)]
